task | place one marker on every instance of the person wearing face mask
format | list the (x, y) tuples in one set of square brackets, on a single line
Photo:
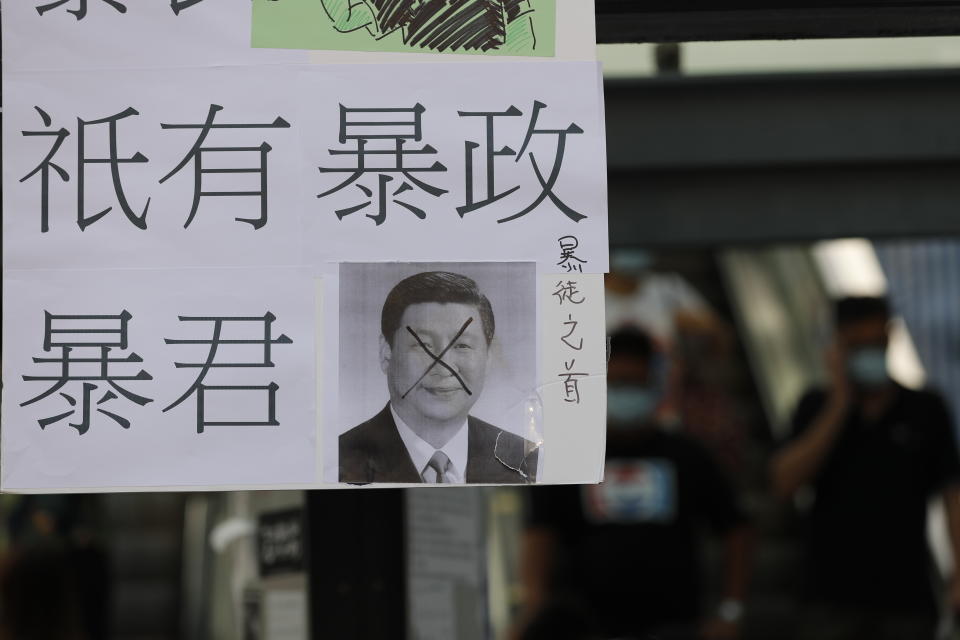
[(874, 453), (627, 553), (641, 292), (659, 302)]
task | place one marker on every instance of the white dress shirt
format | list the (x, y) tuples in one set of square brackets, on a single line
[(421, 451)]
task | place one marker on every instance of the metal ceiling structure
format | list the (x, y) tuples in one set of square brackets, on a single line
[(770, 158), (744, 159), (691, 20)]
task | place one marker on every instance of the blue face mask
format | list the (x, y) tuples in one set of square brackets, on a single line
[(631, 405), (868, 366)]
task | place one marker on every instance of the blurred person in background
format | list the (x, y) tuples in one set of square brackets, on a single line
[(874, 453), (39, 598), (641, 294), (661, 303), (624, 557), (54, 577)]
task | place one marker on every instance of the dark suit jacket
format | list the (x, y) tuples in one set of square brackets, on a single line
[(374, 452)]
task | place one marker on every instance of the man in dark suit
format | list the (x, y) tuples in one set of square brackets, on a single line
[(436, 329)]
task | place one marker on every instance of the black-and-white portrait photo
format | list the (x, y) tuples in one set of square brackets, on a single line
[(438, 373)]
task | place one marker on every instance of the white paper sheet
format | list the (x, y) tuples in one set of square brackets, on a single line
[(260, 239), (574, 388), (158, 448), (164, 451), (147, 35), (251, 95), (448, 231), (298, 113), (566, 415), (210, 33)]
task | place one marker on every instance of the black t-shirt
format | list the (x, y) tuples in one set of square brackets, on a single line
[(866, 533), (629, 547)]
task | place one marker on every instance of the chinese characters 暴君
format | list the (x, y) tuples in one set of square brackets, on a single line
[(88, 354)]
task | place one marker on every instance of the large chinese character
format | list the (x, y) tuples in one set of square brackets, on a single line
[(547, 184), (196, 155), (84, 221), (46, 164), (85, 343), (491, 153), (81, 12), (211, 362), (383, 133)]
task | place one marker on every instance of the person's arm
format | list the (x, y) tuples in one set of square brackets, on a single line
[(798, 462), (737, 544), (537, 551), (951, 501), (552, 512), (717, 501), (725, 624), (537, 548), (942, 465)]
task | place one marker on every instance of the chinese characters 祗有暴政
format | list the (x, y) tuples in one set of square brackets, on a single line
[(380, 139)]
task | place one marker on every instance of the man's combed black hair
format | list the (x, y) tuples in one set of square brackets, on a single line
[(434, 286), (856, 308)]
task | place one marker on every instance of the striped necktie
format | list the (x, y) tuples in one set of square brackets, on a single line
[(437, 469)]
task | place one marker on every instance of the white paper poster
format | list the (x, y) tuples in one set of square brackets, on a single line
[(152, 378), (221, 261), (107, 170)]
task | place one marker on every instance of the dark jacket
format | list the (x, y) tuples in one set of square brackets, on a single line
[(374, 452)]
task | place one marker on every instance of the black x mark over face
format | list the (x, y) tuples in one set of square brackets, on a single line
[(438, 359), (436, 367)]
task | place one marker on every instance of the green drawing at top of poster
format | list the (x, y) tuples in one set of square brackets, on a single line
[(491, 27)]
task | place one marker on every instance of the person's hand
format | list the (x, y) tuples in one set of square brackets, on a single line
[(841, 390), (720, 629)]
